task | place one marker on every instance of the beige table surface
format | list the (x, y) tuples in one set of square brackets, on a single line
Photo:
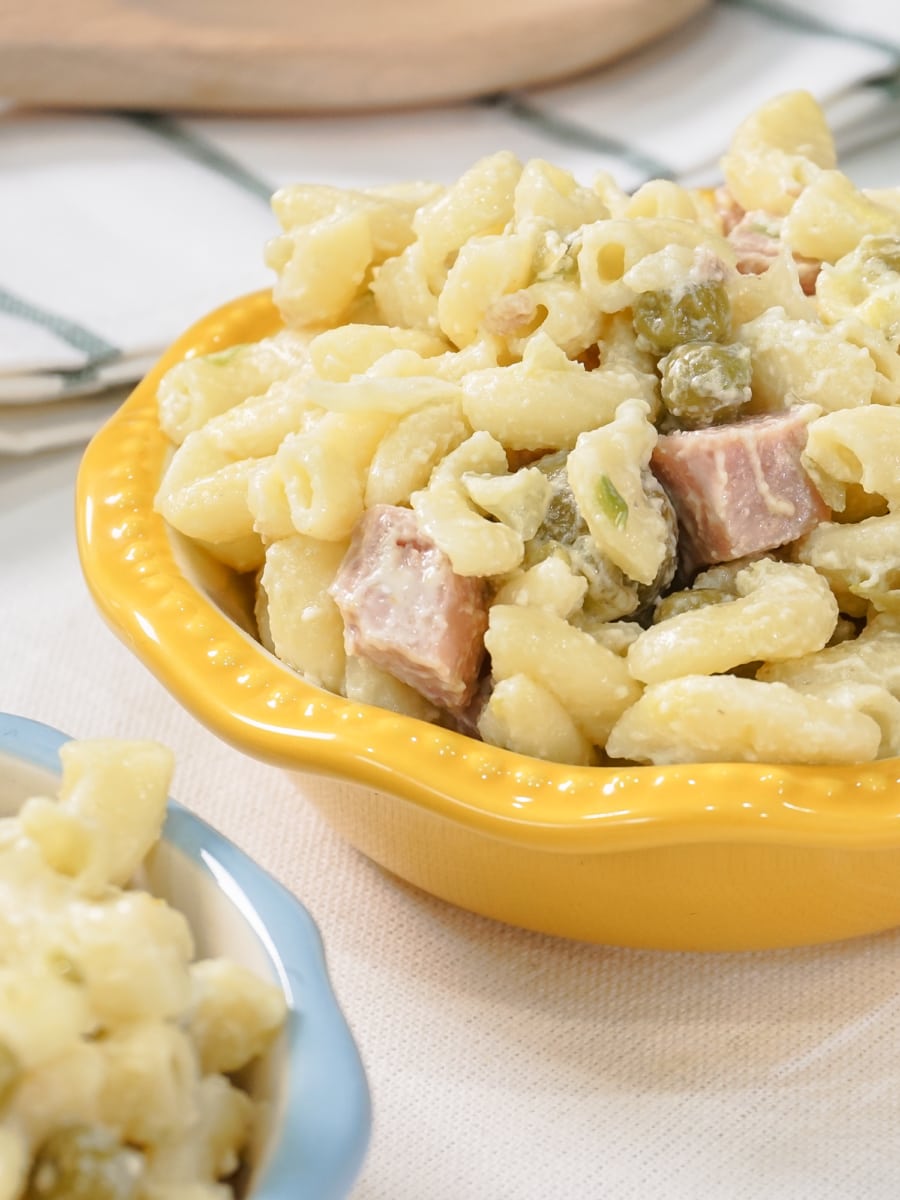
[(503, 1065)]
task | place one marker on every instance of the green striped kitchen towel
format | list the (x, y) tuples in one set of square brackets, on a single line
[(119, 230)]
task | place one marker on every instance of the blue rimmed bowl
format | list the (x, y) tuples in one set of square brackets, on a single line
[(311, 1084)]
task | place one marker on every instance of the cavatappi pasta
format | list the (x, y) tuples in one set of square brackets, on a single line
[(117, 1045), (592, 476)]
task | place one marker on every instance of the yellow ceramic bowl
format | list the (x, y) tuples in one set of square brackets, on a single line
[(708, 857)]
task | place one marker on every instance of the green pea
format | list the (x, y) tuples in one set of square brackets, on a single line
[(10, 1072), (84, 1162), (564, 534), (705, 384), (563, 522), (686, 601), (695, 312)]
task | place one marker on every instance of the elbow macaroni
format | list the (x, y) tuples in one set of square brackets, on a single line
[(446, 346), (109, 1029)]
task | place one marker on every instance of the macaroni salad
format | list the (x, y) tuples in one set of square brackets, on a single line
[(117, 1046), (594, 476)]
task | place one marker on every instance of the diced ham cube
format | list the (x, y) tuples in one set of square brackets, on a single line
[(406, 611), (739, 489)]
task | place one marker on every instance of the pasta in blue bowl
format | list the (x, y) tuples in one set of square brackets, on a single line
[(166, 1020)]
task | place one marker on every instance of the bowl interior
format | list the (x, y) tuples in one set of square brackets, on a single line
[(311, 1088)]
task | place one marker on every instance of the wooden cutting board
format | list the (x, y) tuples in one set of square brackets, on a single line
[(271, 55)]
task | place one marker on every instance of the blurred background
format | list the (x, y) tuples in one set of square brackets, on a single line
[(140, 144)]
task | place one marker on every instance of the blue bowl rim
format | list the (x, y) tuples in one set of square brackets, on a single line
[(322, 1146)]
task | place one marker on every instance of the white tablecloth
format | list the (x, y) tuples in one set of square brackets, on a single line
[(503, 1065)]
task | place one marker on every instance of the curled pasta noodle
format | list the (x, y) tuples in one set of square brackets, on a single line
[(554, 308), (883, 355), (194, 391), (302, 620), (485, 269), (858, 445), (405, 457), (322, 472), (519, 500), (213, 508), (234, 1016), (865, 285), (591, 682), (871, 658), (661, 198), (474, 545), (115, 797), (860, 561), (610, 249), (389, 213), (547, 400), (321, 268), (402, 293), (522, 715), (551, 584), (133, 958), (382, 393), (778, 287), (723, 718), (337, 355), (871, 700), (150, 1081), (479, 203), (208, 1149), (611, 462), (777, 151), (547, 194), (797, 361), (368, 684), (206, 491), (56, 1088), (830, 217), (40, 1015), (782, 611)]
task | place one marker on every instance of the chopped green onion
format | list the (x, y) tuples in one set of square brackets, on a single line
[(612, 503)]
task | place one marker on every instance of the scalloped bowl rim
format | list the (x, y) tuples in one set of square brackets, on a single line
[(319, 1145), (235, 687)]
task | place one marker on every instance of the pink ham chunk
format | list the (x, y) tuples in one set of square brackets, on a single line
[(406, 611), (739, 489)]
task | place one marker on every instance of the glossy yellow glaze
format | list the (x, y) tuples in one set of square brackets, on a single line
[(687, 857)]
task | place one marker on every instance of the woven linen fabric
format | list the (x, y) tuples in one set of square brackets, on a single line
[(503, 1065), (118, 230)]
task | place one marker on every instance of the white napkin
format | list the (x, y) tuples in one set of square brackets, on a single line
[(118, 230)]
